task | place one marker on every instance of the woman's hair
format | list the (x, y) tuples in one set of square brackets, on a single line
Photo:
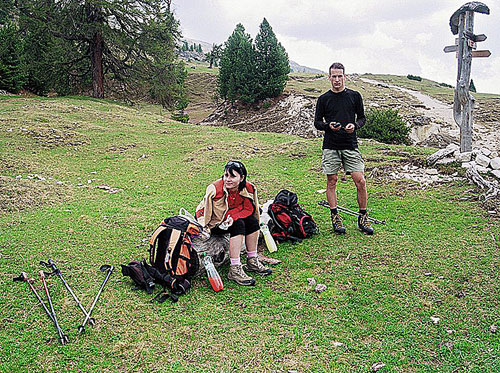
[(239, 167)]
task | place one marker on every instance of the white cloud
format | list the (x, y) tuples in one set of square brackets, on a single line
[(384, 36)]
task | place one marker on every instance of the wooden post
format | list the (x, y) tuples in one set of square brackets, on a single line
[(462, 22)]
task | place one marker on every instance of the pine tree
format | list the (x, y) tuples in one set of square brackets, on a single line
[(127, 42), (214, 55), (472, 87), (272, 62), (237, 73)]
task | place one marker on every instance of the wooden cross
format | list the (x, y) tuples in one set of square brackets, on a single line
[(462, 23)]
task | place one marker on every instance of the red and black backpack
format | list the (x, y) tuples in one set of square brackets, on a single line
[(289, 220)]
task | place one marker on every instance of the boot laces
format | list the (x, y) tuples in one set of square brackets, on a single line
[(363, 221), (337, 221)]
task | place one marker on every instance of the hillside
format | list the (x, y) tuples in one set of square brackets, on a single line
[(85, 182), (426, 106)]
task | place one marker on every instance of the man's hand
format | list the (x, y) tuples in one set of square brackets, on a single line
[(350, 128), (334, 126)]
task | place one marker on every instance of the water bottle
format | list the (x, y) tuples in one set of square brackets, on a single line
[(271, 245), (213, 275)]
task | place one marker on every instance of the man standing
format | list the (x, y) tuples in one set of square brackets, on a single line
[(340, 112)]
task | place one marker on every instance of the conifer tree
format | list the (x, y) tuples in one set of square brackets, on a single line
[(128, 42), (11, 67), (237, 73), (472, 87), (272, 62), (214, 55)]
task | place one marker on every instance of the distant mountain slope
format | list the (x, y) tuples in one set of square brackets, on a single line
[(303, 69)]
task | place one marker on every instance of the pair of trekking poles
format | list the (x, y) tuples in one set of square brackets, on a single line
[(63, 338)]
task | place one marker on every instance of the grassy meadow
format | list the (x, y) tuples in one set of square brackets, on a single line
[(85, 182)]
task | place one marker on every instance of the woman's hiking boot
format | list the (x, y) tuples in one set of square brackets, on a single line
[(364, 224), (254, 265), (238, 275), (338, 227)]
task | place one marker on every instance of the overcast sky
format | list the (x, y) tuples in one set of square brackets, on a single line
[(369, 36)]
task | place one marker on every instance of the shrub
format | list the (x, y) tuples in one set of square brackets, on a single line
[(385, 125), (414, 77), (445, 85)]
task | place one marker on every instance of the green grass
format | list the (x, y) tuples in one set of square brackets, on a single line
[(378, 302)]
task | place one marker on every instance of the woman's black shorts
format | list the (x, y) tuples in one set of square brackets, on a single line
[(243, 227)]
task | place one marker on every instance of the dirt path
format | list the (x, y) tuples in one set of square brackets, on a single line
[(442, 122)]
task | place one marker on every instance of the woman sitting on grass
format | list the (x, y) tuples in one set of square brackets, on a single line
[(231, 206)]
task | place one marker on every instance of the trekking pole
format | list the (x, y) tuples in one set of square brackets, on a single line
[(57, 271), (350, 212), (24, 278), (103, 268), (63, 338)]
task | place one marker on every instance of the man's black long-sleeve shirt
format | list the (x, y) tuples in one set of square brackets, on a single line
[(343, 107)]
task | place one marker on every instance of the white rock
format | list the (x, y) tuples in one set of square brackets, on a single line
[(494, 154), (496, 173), (486, 151), (482, 160), (435, 319), (445, 161), (495, 163), (481, 169), (463, 157), (431, 171)]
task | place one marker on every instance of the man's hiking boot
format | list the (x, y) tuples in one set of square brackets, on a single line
[(364, 225), (239, 276), (254, 265), (338, 227)]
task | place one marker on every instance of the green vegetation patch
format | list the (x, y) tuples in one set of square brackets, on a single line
[(436, 257)]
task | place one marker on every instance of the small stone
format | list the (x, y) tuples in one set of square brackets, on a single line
[(496, 173), (311, 281), (435, 319), (321, 191), (445, 161), (320, 288), (463, 157), (481, 169), (19, 177), (486, 151), (427, 274), (431, 171), (493, 328), (377, 366), (482, 160), (495, 163), (210, 147), (337, 344), (450, 331)]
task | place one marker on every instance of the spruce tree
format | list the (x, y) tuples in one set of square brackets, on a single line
[(237, 72), (11, 67), (272, 62), (472, 87)]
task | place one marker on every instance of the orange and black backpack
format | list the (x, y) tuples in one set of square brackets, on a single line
[(172, 254)]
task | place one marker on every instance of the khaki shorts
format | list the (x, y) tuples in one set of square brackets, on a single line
[(350, 160)]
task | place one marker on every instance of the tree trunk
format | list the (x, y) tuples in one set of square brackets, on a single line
[(96, 49)]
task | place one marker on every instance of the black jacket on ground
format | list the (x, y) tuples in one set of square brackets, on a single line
[(343, 107)]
